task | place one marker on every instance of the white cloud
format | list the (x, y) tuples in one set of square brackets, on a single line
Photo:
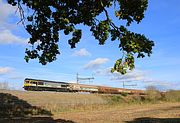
[(5, 70), (6, 27), (94, 64), (103, 72), (6, 10), (138, 76), (81, 52), (135, 75), (141, 77), (159, 84), (6, 37)]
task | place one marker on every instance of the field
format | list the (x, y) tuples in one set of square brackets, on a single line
[(55, 107)]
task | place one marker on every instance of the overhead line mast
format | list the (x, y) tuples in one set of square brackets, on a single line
[(85, 78), (128, 84)]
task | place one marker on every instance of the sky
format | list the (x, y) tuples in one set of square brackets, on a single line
[(162, 70)]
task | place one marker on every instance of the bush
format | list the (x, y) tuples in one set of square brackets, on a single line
[(124, 94), (173, 96), (153, 94), (114, 99)]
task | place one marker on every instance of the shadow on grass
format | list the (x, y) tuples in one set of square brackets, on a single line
[(35, 120), (155, 120), (15, 110)]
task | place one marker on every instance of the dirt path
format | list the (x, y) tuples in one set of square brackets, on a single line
[(161, 113)]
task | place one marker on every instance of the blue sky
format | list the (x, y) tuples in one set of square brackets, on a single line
[(161, 24)]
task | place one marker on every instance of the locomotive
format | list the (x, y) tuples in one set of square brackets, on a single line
[(45, 85)]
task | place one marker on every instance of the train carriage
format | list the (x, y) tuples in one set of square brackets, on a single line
[(83, 88)]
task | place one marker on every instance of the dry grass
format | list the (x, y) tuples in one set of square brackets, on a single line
[(103, 108), (129, 114), (61, 102), (172, 96)]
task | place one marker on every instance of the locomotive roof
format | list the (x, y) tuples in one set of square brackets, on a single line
[(46, 81)]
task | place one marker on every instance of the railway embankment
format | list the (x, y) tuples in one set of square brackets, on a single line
[(36, 105)]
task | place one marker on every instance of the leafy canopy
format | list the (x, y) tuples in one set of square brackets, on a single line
[(48, 17)]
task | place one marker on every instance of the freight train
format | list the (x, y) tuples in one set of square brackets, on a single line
[(45, 85)]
